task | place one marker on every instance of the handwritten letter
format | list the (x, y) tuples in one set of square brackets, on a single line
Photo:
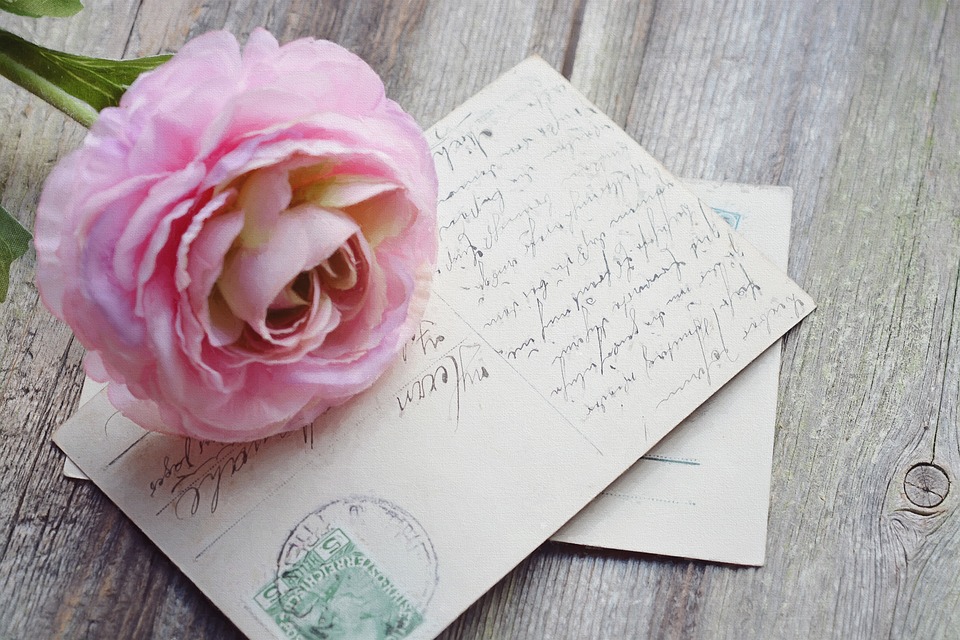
[(586, 265)]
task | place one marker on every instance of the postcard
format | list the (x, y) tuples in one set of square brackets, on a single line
[(585, 304), (704, 490)]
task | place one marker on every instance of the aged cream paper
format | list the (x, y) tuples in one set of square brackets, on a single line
[(704, 490), (585, 304), (88, 391)]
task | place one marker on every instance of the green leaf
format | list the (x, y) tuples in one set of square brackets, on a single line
[(77, 85), (14, 241), (41, 8)]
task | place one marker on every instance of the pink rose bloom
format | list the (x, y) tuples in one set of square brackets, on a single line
[(245, 241)]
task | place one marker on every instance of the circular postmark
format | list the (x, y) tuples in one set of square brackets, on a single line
[(358, 567)]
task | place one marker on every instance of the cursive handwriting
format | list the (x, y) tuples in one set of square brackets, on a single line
[(591, 270), (453, 375), (193, 480), (426, 340)]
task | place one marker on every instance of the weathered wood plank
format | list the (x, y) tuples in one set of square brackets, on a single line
[(867, 382), (924, 539)]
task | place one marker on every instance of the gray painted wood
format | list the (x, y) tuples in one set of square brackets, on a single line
[(856, 105)]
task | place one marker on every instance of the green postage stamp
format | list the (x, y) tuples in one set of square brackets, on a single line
[(335, 591)]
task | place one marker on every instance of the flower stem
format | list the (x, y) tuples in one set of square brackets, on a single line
[(18, 73)]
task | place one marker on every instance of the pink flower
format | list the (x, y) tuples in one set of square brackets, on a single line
[(245, 241)]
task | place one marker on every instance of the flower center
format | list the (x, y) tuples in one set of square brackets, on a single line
[(291, 305), (339, 271), (300, 265)]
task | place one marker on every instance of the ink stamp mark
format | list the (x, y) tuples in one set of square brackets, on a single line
[(732, 218), (356, 568)]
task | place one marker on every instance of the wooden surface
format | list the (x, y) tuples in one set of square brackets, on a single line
[(856, 105)]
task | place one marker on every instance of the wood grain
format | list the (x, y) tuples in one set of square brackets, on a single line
[(856, 105)]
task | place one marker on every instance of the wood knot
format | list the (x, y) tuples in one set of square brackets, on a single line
[(926, 485)]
